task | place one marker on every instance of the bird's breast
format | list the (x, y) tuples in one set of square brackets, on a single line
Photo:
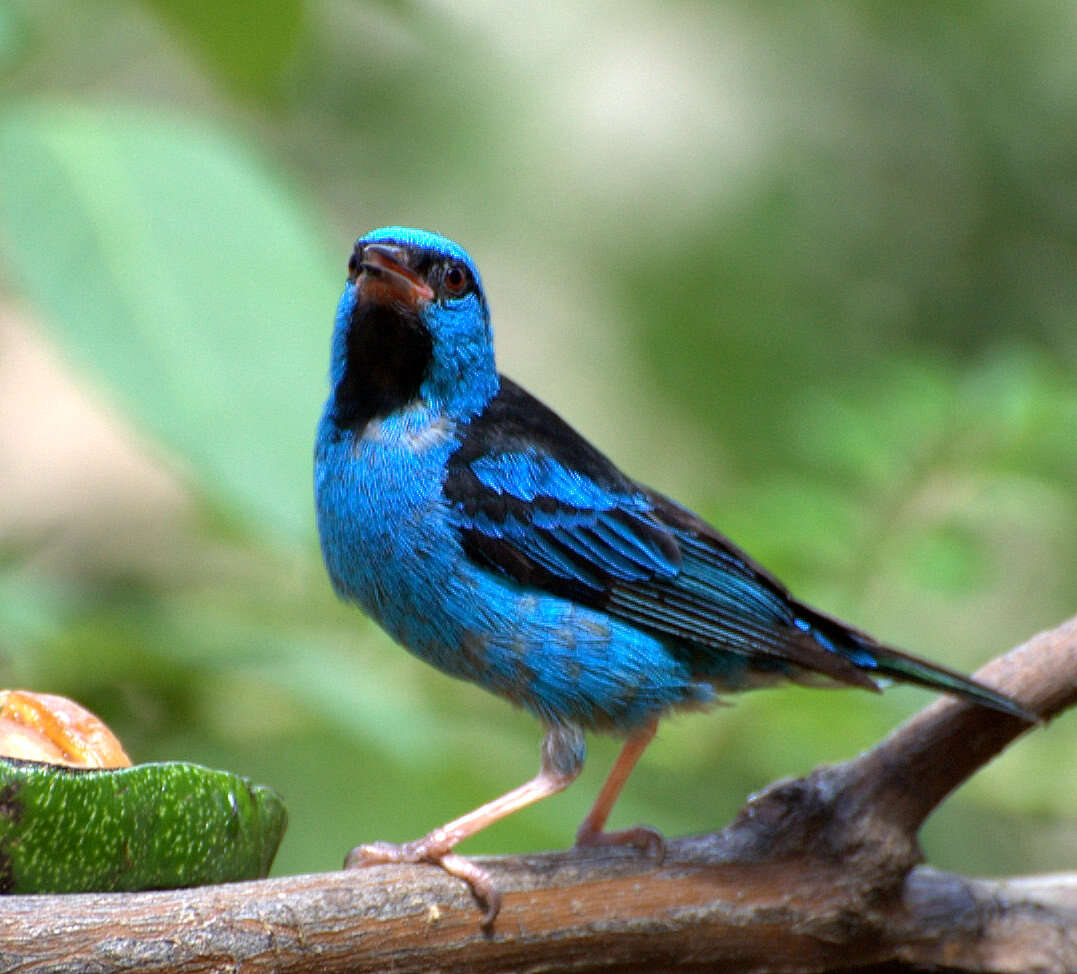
[(382, 515)]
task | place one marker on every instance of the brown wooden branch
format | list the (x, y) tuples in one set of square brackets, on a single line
[(817, 874)]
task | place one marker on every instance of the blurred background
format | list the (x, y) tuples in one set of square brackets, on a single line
[(809, 268)]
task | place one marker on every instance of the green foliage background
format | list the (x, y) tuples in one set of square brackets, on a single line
[(811, 268)]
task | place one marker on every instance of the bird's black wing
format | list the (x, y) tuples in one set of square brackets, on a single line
[(535, 502)]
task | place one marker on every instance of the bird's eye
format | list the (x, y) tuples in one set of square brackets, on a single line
[(353, 266), (456, 279)]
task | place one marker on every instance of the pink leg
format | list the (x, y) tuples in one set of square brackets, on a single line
[(590, 832), (562, 759)]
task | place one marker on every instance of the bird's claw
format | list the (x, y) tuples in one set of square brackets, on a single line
[(379, 853), (642, 837), (435, 853), (480, 881)]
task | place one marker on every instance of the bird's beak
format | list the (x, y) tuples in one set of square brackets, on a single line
[(385, 277)]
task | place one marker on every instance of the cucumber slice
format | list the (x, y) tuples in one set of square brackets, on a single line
[(151, 826)]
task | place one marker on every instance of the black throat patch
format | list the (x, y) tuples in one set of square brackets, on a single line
[(388, 354)]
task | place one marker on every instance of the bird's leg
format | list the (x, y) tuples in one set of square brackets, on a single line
[(563, 752), (590, 832)]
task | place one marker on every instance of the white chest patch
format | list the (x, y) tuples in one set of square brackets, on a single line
[(414, 429)]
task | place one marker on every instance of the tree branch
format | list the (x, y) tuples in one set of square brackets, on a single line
[(817, 874)]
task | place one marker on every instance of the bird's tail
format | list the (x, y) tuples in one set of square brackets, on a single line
[(884, 661)]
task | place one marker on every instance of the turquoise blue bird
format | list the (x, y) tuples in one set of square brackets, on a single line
[(493, 541)]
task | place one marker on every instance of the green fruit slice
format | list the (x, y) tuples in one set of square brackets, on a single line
[(151, 826)]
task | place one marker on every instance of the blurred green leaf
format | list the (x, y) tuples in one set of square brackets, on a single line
[(950, 555), (247, 45), (182, 272), (13, 34)]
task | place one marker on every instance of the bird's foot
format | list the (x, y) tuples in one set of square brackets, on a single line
[(642, 837), (433, 850)]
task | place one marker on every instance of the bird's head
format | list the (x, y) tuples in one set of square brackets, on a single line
[(412, 324)]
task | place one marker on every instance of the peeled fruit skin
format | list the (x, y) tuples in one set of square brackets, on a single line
[(46, 727)]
